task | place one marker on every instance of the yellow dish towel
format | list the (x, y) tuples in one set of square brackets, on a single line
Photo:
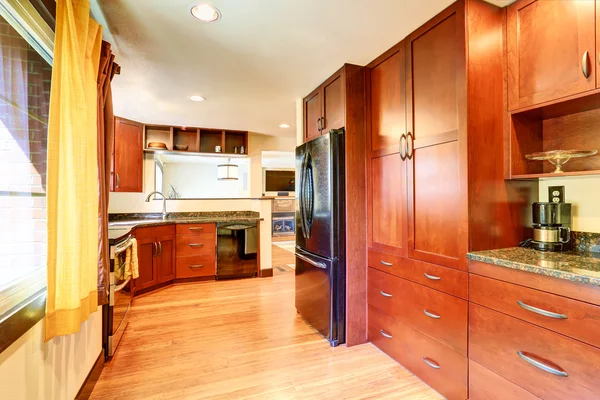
[(131, 261)]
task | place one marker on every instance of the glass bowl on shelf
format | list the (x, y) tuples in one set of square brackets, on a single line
[(558, 158)]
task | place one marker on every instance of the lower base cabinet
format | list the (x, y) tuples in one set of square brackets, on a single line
[(169, 252), (156, 256), (444, 369), (486, 385)]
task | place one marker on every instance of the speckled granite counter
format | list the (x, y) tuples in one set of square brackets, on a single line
[(120, 225), (582, 267)]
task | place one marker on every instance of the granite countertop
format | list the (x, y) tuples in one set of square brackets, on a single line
[(120, 225), (576, 266)]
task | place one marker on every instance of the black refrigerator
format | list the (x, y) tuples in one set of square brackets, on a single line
[(321, 235)]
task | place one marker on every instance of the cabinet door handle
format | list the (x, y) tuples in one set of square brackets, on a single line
[(540, 311), (432, 277), (118, 179), (154, 249), (160, 248), (431, 315), (196, 228), (384, 334), (402, 146), (541, 365), (319, 124), (431, 363), (384, 294), (585, 64), (387, 264), (410, 154), (196, 266), (196, 244)]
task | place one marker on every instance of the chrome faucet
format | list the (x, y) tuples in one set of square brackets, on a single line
[(164, 212)]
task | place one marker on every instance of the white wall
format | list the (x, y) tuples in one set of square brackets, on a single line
[(584, 193), (31, 369), (199, 180)]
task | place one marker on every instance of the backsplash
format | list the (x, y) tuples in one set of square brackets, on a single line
[(586, 241)]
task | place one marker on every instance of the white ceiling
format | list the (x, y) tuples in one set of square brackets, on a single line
[(251, 65)]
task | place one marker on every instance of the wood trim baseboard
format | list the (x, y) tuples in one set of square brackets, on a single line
[(89, 383), (266, 273)]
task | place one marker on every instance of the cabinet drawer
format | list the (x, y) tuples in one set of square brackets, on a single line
[(511, 348), (193, 245), (196, 229), (447, 280), (154, 231), (190, 267), (486, 385), (420, 355), (439, 315), (572, 318)]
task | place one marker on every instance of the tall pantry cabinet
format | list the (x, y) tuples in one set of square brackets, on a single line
[(436, 189)]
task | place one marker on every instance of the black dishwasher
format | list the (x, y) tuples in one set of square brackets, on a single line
[(237, 250)]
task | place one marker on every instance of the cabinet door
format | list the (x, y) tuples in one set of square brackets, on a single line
[(550, 44), (387, 213), (146, 255), (436, 204), (333, 103), (165, 261), (387, 101), (312, 114), (128, 160)]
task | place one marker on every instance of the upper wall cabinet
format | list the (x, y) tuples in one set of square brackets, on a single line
[(324, 108), (386, 106), (127, 173), (551, 50), (386, 143)]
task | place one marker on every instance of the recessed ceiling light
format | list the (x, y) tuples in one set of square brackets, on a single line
[(284, 126), (197, 98), (205, 12)]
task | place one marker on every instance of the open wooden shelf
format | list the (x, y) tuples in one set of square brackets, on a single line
[(547, 175), (572, 124), (194, 153), (200, 141)]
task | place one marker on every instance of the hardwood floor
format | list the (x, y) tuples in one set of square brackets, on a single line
[(242, 339)]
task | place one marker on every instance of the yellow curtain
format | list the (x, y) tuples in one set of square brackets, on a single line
[(72, 190)]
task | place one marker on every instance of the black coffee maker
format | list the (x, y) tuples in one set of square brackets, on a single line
[(551, 226)]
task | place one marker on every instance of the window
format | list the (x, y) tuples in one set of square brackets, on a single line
[(25, 74)]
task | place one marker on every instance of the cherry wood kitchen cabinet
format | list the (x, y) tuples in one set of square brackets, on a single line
[(551, 50), (127, 171), (325, 107), (386, 152), (156, 256), (340, 102), (436, 186)]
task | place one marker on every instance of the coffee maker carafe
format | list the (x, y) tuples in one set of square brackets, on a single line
[(551, 226)]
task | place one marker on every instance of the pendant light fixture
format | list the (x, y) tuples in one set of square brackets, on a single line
[(227, 172)]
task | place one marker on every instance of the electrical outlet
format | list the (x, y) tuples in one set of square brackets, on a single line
[(556, 194)]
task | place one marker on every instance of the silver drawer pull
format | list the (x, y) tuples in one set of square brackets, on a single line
[(196, 266), (384, 334), (196, 244), (387, 264), (196, 228), (542, 366), (433, 278), (431, 363), (430, 315), (385, 294), (541, 312)]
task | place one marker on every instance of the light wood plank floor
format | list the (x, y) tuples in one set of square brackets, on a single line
[(242, 340)]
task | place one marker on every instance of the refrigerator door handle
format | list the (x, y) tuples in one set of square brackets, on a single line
[(301, 198), (314, 263)]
